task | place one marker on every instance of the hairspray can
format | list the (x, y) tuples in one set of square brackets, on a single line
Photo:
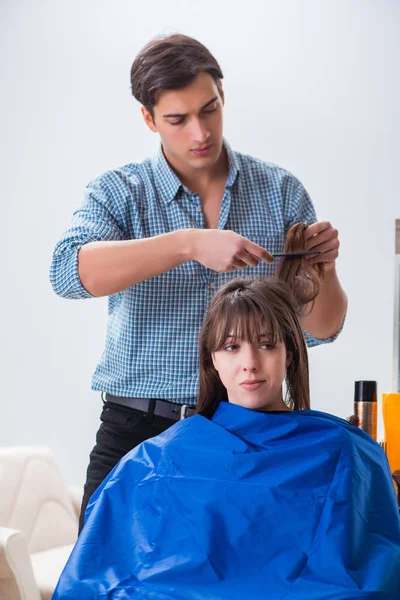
[(365, 406)]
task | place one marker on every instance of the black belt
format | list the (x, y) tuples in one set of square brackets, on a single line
[(150, 406)]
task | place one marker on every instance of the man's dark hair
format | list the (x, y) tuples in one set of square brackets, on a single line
[(170, 63)]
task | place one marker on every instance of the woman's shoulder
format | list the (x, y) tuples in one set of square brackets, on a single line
[(184, 433), (336, 428)]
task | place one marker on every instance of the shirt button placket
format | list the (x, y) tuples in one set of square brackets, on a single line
[(199, 211)]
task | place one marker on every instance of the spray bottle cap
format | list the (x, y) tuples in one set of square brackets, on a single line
[(365, 391)]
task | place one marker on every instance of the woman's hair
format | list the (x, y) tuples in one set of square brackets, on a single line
[(297, 272), (243, 307), (170, 63)]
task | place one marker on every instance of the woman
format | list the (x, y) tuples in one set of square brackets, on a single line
[(254, 497)]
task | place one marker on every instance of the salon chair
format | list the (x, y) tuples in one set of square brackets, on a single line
[(38, 523)]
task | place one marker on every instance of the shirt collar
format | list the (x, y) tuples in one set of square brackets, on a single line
[(167, 181), (233, 165)]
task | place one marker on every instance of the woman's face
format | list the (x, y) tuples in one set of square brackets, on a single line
[(253, 372)]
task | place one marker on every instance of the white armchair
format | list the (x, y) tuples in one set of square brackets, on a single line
[(38, 523)]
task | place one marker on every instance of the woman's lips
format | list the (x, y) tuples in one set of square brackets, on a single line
[(251, 385)]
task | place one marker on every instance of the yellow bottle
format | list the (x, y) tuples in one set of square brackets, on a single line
[(391, 420)]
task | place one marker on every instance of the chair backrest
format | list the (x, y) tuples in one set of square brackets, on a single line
[(34, 498)]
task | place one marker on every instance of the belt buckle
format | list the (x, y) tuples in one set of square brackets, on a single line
[(183, 411)]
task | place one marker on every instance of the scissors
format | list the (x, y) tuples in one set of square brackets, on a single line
[(294, 254)]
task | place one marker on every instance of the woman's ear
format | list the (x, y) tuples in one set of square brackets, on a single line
[(289, 357)]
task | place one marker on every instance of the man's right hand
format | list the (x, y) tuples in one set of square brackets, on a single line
[(109, 267), (226, 251)]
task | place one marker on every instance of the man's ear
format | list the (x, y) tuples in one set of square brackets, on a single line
[(148, 119), (289, 357)]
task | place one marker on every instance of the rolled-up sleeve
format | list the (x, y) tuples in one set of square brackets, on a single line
[(97, 219), (314, 341)]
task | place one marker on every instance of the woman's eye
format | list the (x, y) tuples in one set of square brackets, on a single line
[(268, 346), (231, 347)]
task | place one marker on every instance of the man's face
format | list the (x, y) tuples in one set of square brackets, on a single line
[(189, 122)]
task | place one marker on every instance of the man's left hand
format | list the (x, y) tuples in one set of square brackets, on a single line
[(322, 237)]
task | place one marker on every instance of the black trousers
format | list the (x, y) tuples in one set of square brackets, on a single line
[(122, 428)]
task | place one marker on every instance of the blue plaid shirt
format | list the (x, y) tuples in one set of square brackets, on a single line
[(153, 326)]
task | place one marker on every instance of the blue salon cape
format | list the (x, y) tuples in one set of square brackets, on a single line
[(246, 506)]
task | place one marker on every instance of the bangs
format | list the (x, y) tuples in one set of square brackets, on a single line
[(246, 320)]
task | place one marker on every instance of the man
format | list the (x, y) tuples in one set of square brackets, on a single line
[(159, 237)]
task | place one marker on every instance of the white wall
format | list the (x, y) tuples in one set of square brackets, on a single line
[(312, 86)]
